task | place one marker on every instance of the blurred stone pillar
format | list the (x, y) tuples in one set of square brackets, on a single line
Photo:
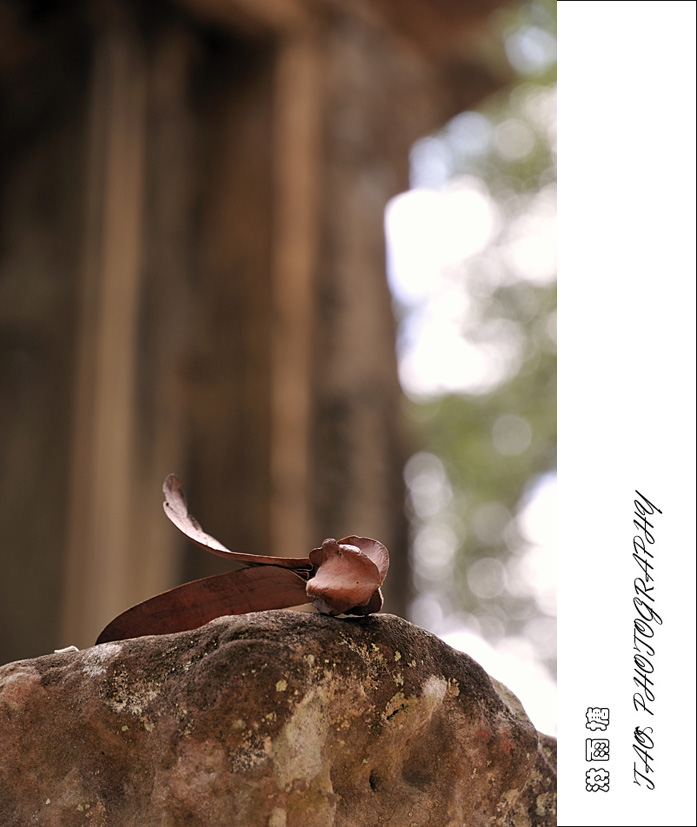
[(194, 281), (99, 532), (132, 325)]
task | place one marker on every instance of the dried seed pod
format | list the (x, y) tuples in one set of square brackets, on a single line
[(348, 575), (340, 577)]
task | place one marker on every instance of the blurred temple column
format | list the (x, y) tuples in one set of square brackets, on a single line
[(192, 279)]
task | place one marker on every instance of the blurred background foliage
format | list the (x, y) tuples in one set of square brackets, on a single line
[(486, 449)]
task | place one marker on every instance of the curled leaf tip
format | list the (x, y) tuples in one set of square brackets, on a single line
[(348, 576)]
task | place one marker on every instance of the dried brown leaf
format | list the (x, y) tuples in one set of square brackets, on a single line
[(194, 604)]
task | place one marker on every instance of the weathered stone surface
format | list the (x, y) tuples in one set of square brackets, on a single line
[(275, 719)]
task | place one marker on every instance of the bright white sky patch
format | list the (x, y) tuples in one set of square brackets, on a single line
[(431, 234), (537, 521), (530, 248), (429, 229), (442, 361)]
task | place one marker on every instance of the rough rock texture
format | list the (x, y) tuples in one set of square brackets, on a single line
[(275, 719)]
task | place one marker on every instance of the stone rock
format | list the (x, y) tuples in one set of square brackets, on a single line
[(272, 718)]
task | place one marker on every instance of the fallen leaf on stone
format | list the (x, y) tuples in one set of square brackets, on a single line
[(341, 577)]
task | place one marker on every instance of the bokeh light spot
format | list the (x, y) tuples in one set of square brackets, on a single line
[(511, 435), (486, 577)]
